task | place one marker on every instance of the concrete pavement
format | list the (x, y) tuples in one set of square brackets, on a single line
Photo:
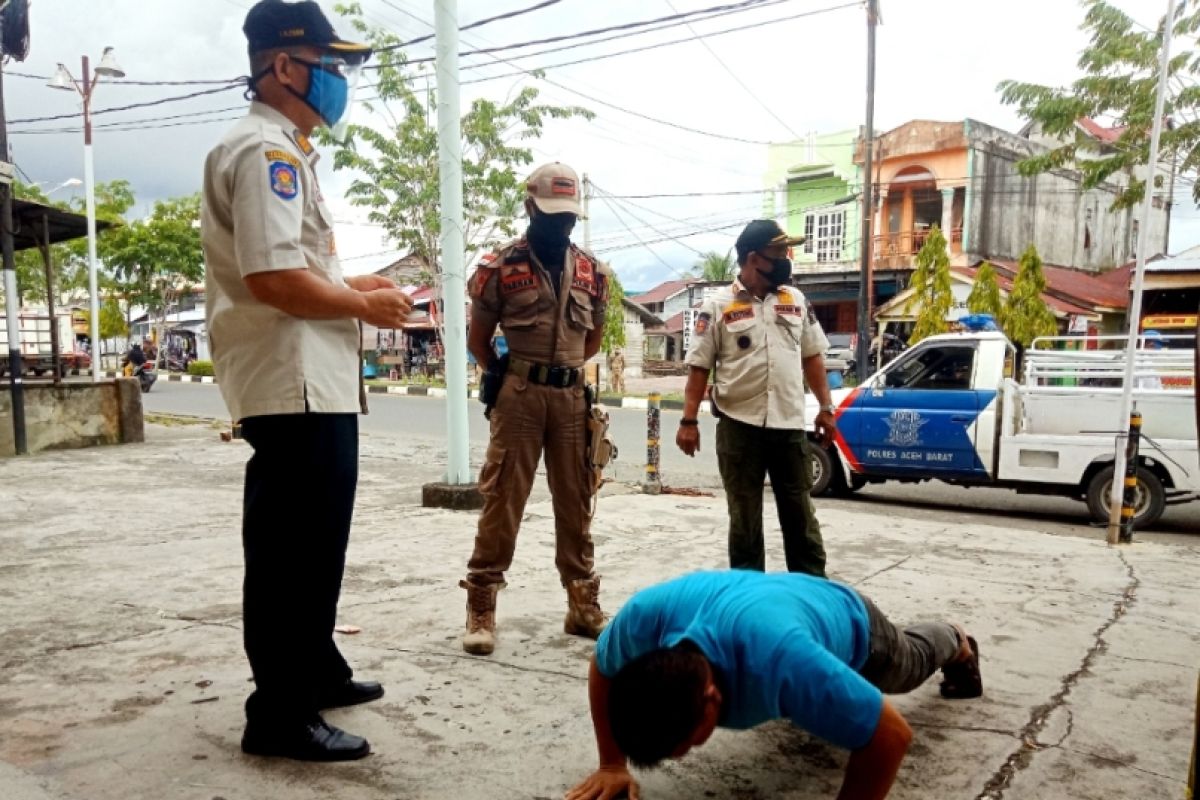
[(121, 673)]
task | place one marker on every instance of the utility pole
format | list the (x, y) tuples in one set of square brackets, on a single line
[(1135, 307), (587, 223), (865, 278), (11, 300), (458, 467)]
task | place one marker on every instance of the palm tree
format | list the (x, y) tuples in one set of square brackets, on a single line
[(715, 267)]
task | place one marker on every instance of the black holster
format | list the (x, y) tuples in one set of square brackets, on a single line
[(491, 383)]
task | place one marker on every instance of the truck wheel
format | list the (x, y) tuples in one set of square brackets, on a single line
[(822, 467), (1149, 504)]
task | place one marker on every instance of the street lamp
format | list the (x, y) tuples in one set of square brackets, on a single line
[(62, 79)]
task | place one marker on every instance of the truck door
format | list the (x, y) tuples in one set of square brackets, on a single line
[(919, 418)]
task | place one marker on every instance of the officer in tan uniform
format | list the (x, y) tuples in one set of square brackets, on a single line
[(763, 341), (616, 370), (283, 327), (548, 296)]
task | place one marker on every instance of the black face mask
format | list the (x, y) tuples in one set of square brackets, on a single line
[(781, 271), (550, 233)]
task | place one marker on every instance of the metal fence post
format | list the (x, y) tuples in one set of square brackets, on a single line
[(653, 481), (1129, 499)]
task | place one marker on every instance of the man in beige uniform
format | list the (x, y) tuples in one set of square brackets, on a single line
[(616, 370), (285, 343), (764, 342), (548, 296)]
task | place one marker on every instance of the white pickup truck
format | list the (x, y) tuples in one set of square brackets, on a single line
[(951, 409)]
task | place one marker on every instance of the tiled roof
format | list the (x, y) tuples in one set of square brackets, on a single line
[(662, 292), (1005, 283), (1082, 288), (1098, 131), (672, 325)]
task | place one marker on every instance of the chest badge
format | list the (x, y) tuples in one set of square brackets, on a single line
[(744, 342)]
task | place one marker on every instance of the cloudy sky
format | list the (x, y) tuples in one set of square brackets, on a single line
[(800, 68)]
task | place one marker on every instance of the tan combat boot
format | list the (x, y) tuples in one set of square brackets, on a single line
[(584, 617), (480, 638)]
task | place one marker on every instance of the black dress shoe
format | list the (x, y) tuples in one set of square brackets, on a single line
[(350, 693), (315, 740)]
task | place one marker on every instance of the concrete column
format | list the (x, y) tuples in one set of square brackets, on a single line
[(880, 229), (948, 217)]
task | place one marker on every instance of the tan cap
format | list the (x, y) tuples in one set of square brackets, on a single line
[(554, 188)]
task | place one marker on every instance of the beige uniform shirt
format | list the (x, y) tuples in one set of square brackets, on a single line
[(756, 347), (510, 288), (262, 210)]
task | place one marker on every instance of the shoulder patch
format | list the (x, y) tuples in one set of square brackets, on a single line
[(480, 280), (702, 321), (305, 145), (284, 156), (285, 183)]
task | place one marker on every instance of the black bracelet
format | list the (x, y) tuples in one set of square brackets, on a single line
[(687, 421)]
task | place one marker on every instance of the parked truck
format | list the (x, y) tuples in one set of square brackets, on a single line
[(37, 344), (952, 409)]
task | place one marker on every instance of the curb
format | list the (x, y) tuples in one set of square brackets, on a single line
[(171, 377), (641, 403)]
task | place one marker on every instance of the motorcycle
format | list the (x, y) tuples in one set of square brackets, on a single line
[(146, 375)]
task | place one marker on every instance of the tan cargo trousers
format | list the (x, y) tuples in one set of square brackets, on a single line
[(528, 419)]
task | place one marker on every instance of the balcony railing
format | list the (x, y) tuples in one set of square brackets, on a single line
[(897, 249)]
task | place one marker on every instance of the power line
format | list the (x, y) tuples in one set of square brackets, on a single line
[(117, 128), (131, 106), (736, 79), (533, 72), (129, 82), (654, 26), (627, 26), (132, 123), (620, 219), (477, 24), (648, 225)]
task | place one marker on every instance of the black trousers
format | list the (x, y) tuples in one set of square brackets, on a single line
[(746, 455), (299, 501)]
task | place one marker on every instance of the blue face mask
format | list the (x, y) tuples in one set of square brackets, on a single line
[(328, 93), (328, 90)]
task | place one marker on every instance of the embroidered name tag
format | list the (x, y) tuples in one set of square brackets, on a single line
[(793, 311), (282, 155), (738, 314), (517, 283)]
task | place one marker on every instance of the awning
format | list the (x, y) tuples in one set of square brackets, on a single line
[(28, 230)]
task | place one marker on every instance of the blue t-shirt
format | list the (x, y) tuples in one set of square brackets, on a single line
[(786, 646)]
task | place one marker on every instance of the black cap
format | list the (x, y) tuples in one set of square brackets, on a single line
[(274, 23), (762, 233)]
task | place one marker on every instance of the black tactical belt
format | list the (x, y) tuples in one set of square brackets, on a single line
[(559, 377)]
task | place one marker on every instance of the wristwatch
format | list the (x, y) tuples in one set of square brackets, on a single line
[(829, 408)]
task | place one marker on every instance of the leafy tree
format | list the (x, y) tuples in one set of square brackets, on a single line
[(1121, 65), (156, 260), (1025, 315), (112, 321), (985, 294), (614, 317), (716, 267), (931, 287), (398, 162)]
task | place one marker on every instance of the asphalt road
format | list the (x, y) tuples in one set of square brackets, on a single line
[(425, 418)]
